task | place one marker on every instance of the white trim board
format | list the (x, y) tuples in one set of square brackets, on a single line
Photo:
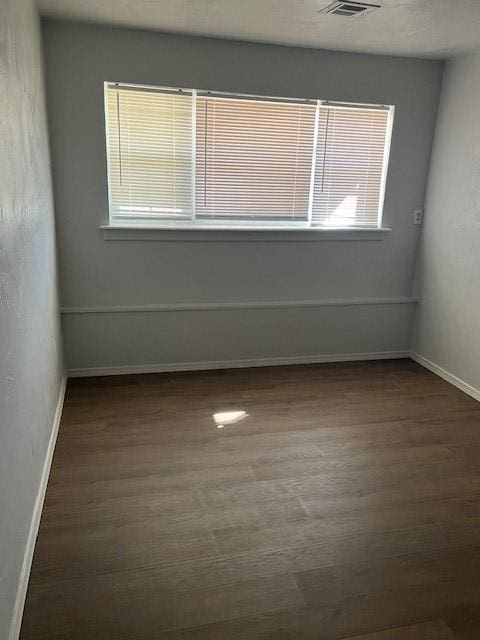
[(36, 516), (234, 364), (225, 306), (446, 375), (209, 234)]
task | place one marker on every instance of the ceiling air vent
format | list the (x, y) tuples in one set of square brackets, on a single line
[(349, 9)]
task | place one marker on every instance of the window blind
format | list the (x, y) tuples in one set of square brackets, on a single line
[(193, 158), (349, 166), (149, 152), (253, 159)]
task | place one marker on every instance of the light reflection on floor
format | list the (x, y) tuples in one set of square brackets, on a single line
[(224, 418)]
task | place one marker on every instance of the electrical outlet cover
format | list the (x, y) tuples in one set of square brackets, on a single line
[(418, 216)]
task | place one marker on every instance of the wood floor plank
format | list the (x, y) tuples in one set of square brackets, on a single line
[(436, 630), (472, 633), (404, 477), (464, 488), (330, 584), (173, 487), (94, 549), (308, 532), (140, 607), (356, 460)]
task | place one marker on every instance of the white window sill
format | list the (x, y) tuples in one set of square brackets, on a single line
[(238, 234)]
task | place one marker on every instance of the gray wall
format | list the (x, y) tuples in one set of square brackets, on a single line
[(96, 273), (30, 355), (448, 320)]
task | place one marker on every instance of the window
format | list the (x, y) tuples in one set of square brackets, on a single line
[(187, 158)]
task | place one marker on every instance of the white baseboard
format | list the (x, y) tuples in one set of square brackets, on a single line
[(446, 375), (234, 364), (35, 522)]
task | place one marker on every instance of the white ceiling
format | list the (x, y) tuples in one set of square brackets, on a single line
[(426, 28)]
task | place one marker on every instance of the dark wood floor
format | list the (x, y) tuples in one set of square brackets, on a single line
[(347, 502)]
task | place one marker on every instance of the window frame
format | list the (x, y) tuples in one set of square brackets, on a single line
[(152, 222)]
